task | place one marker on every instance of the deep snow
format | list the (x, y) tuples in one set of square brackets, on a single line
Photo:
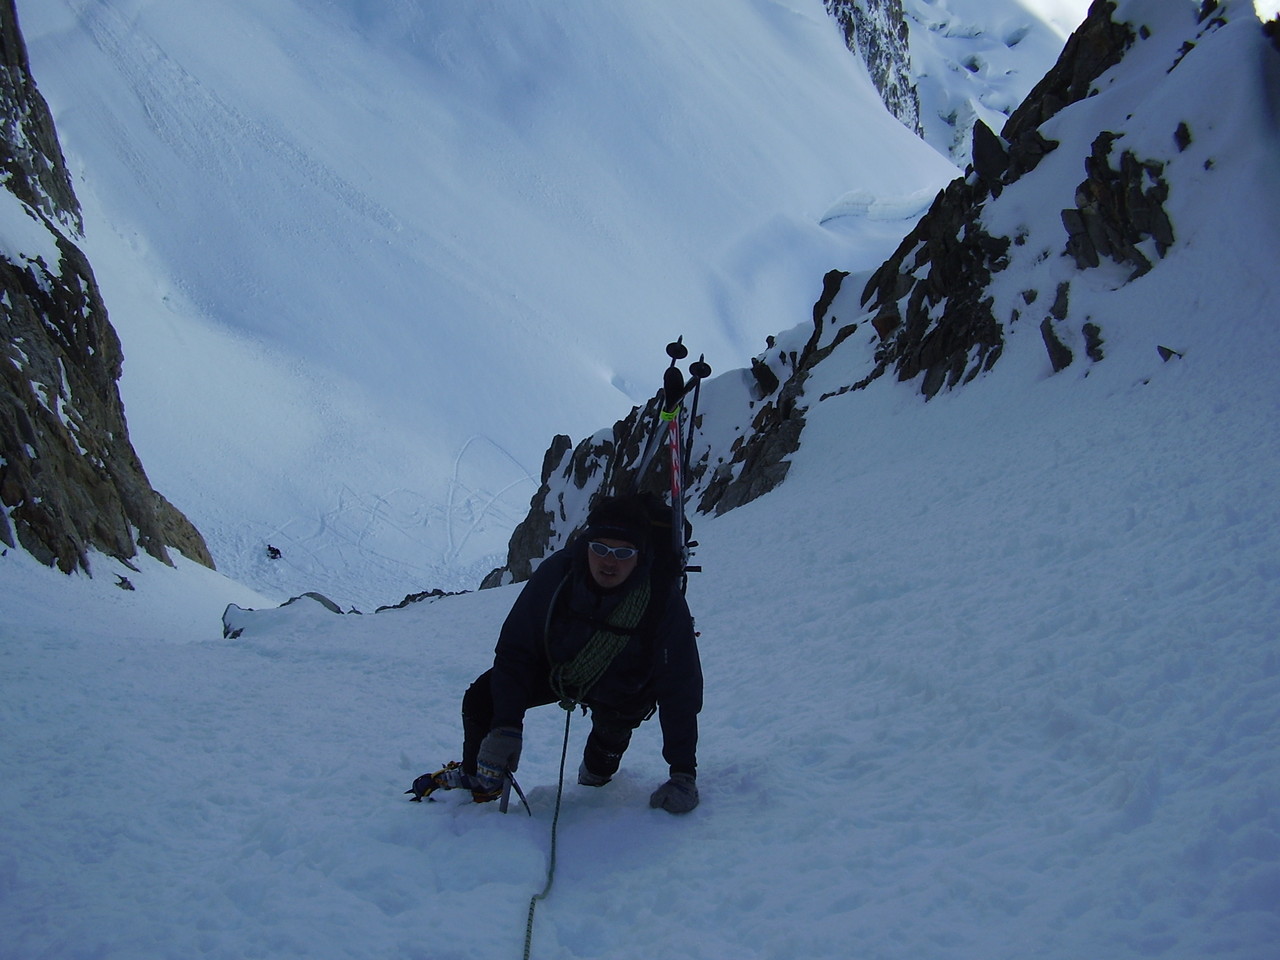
[(994, 676), (991, 677)]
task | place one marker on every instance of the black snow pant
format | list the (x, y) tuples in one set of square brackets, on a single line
[(611, 727)]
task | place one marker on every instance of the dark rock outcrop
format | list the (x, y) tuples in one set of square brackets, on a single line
[(1272, 31), (876, 31), (1094, 48), (30, 154), (1118, 209), (530, 538), (759, 461), (70, 480), (930, 304), (931, 307)]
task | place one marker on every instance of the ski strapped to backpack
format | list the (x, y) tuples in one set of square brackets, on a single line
[(666, 431)]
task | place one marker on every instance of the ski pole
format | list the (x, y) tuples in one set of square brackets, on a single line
[(673, 390), (699, 371)]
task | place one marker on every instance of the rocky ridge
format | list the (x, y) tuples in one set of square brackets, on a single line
[(876, 32), (928, 308), (70, 480)]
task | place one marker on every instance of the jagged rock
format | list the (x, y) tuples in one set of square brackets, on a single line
[(761, 462), (1061, 302), (876, 30), (1026, 152), (1060, 355), (1081, 228), (831, 283), (1182, 136), (990, 157), (931, 308), (766, 380), (69, 477), (534, 532), (928, 303), (30, 155), (1118, 209), (1096, 46), (412, 598), (1093, 341)]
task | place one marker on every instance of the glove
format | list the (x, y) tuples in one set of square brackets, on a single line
[(677, 795), (499, 755)]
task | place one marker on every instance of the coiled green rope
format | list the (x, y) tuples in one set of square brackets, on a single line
[(573, 680)]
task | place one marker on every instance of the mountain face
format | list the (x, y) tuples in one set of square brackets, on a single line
[(980, 266), (932, 313), (69, 477), (405, 244), (876, 31), (938, 313)]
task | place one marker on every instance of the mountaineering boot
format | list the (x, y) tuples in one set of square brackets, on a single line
[(484, 791), (605, 746), (589, 779), (449, 777)]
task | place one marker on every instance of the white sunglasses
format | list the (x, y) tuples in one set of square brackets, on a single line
[(618, 553)]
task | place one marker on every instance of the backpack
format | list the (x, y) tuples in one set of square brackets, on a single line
[(668, 557)]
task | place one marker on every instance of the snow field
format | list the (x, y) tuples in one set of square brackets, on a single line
[(991, 676), (964, 699)]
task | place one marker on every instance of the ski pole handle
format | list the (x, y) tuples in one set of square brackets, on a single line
[(673, 388)]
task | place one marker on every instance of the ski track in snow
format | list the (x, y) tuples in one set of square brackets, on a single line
[(194, 120), (380, 535)]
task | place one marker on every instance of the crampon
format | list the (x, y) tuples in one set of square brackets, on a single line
[(450, 777)]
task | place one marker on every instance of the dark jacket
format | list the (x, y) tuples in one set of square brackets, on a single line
[(659, 664)]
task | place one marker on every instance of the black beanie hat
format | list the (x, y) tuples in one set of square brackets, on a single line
[(619, 518)]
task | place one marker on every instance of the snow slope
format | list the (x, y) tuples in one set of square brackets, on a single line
[(994, 676), (967, 697), (975, 60), (367, 259), (405, 245)]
